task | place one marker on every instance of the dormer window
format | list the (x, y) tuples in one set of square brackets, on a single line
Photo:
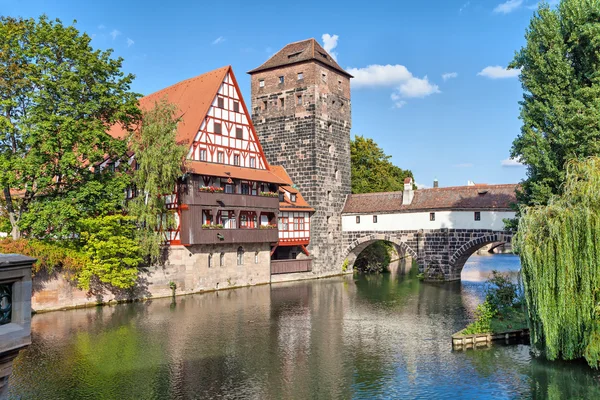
[(294, 55), (293, 198), (324, 55)]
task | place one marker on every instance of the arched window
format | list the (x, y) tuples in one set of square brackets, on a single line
[(240, 256)]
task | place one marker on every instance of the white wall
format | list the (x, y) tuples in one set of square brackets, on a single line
[(420, 220)]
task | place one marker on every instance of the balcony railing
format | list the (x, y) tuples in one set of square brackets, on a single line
[(197, 235), (230, 200), (291, 266)]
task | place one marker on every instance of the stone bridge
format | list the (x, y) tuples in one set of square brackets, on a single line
[(440, 253)]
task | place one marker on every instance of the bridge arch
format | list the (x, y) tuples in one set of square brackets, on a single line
[(356, 247), (460, 256)]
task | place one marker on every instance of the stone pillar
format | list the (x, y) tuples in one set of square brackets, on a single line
[(15, 312)]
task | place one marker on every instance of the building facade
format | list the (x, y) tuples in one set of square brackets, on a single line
[(301, 110)]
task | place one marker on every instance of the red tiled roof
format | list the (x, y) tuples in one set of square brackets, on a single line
[(480, 197), (298, 52), (300, 204), (224, 171), (192, 97)]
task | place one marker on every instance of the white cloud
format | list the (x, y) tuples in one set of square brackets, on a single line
[(421, 186), (449, 75), (379, 75), (498, 72), (115, 33), (397, 99), (511, 163), (330, 43), (218, 40), (463, 7), (464, 165), (417, 87), (508, 6), (101, 27), (130, 42), (398, 76)]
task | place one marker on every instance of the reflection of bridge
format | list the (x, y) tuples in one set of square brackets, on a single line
[(440, 228)]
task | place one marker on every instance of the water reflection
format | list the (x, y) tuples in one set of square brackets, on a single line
[(384, 336)]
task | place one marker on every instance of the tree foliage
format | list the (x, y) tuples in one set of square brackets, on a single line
[(372, 170), (160, 161), (559, 246), (58, 97), (560, 109), (375, 258)]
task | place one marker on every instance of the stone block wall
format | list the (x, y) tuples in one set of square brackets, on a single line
[(312, 141), (187, 267)]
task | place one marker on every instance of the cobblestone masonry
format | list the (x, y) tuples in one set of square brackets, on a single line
[(441, 253), (304, 125)]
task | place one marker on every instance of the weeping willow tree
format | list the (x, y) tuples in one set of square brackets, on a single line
[(160, 162), (559, 246)]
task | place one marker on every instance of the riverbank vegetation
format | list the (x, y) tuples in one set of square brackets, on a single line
[(560, 255), (376, 258), (503, 308), (63, 178)]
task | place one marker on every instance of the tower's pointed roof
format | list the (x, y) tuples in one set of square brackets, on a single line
[(299, 52)]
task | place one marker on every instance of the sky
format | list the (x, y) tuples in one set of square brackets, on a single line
[(431, 85)]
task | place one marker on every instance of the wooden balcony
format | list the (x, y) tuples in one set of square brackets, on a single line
[(197, 235), (230, 201), (291, 266)]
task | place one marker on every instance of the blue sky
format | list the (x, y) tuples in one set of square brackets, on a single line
[(456, 127)]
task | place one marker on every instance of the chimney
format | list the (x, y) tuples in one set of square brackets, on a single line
[(435, 183), (407, 195)]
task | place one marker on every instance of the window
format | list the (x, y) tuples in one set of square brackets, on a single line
[(283, 224), (358, 219), (245, 188), (299, 224), (207, 218), (293, 255), (300, 75), (265, 105), (281, 197), (374, 219), (299, 99), (324, 77), (202, 154), (210, 260), (293, 198), (339, 84), (281, 79), (239, 133), (222, 259), (252, 162), (236, 159), (236, 106), (282, 102), (261, 83), (217, 128), (220, 157), (432, 216), (221, 102), (256, 257), (240, 256), (229, 188), (477, 216), (227, 219)]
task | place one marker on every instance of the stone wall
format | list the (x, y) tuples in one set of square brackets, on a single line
[(312, 141), (187, 267), (440, 253)]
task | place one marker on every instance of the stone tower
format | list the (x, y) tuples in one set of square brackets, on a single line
[(301, 110)]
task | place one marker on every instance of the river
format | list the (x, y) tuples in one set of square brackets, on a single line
[(362, 337)]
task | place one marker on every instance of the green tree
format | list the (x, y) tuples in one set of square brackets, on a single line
[(375, 258), (160, 164), (560, 110), (58, 98), (372, 170)]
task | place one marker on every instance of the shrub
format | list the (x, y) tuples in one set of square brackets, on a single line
[(483, 319)]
